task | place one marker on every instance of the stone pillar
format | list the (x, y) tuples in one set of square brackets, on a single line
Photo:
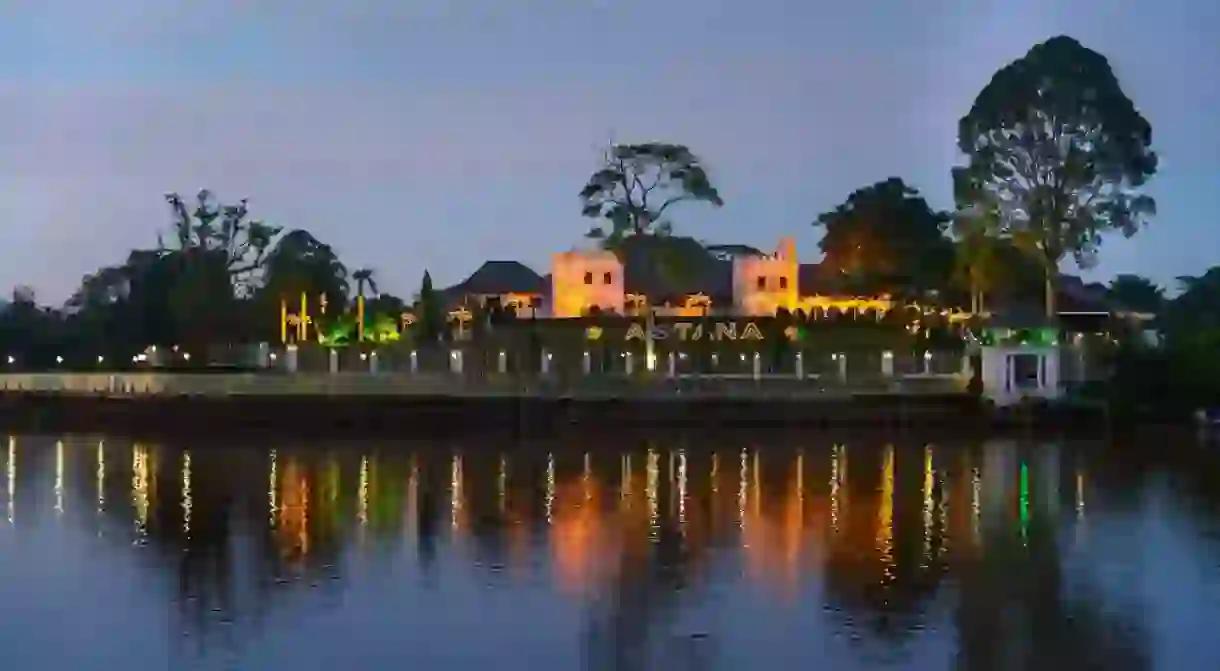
[(673, 365), (629, 363), (887, 364), (800, 365), (843, 368), (502, 363), (757, 366), (927, 362), (546, 362), (414, 361), (373, 365), (290, 358), (332, 358), (586, 363), (455, 361), (263, 355)]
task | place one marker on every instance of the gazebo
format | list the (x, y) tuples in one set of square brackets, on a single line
[(1018, 357)]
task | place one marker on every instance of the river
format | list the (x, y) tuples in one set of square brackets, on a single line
[(752, 553)]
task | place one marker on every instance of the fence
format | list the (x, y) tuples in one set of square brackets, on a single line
[(626, 376)]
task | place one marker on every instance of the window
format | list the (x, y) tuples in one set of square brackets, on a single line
[(607, 279), (588, 278), (783, 282), (762, 283)]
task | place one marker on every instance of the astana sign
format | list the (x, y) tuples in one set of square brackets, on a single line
[(686, 331)]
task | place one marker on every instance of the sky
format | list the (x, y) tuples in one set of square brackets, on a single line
[(422, 134)]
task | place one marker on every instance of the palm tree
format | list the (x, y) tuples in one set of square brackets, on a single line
[(363, 277), (977, 257)]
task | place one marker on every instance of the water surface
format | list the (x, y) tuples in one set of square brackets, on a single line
[(666, 555)]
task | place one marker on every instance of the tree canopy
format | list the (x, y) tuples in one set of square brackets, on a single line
[(1055, 143), (885, 237)]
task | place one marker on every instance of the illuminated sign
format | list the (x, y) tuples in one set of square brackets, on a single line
[(685, 331)]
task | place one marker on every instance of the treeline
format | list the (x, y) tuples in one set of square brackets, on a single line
[(216, 277)]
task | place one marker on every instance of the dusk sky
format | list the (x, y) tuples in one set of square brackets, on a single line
[(415, 134)]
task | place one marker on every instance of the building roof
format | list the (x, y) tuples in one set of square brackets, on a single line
[(501, 277), (672, 267)]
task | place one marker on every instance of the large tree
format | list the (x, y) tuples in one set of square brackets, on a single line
[(1057, 144), (885, 237), (214, 253), (632, 194)]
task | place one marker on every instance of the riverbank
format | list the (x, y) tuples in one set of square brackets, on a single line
[(439, 415)]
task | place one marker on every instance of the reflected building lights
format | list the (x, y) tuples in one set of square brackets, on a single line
[(742, 498), (929, 482), (757, 487), (943, 513), (625, 480), (976, 504), (682, 490), (550, 488), (11, 473), (101, 477), (139, 488), (187, 497), (834, 487), (651, 484), (362, 503), (59, 477), (273, 490), (1080, 495), (455, 491), (502, 485), (885, 515)]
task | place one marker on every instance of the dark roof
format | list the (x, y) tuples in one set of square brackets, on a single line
[(501, 277), (734, 250), (664, 268), (1074, 296)]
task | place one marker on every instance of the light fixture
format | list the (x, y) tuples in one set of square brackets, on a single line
[(11, 359), (186, 356), (59, 359), (272, 356), (363, 356), (887, 355), (100, 358)]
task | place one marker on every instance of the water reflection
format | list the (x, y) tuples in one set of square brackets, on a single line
[(860, 556)]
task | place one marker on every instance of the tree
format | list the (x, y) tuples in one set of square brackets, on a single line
[(363, 277), (1134, 292), (301, 264), (212, 257), (220, 232), (637, 184), (631, 194), (976, 257), (885, 237), (428, 310), (1057, 144)]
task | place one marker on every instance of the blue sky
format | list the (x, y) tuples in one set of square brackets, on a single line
[(415, 134)]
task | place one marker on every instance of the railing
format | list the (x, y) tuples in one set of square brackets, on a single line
[(456, 384)]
